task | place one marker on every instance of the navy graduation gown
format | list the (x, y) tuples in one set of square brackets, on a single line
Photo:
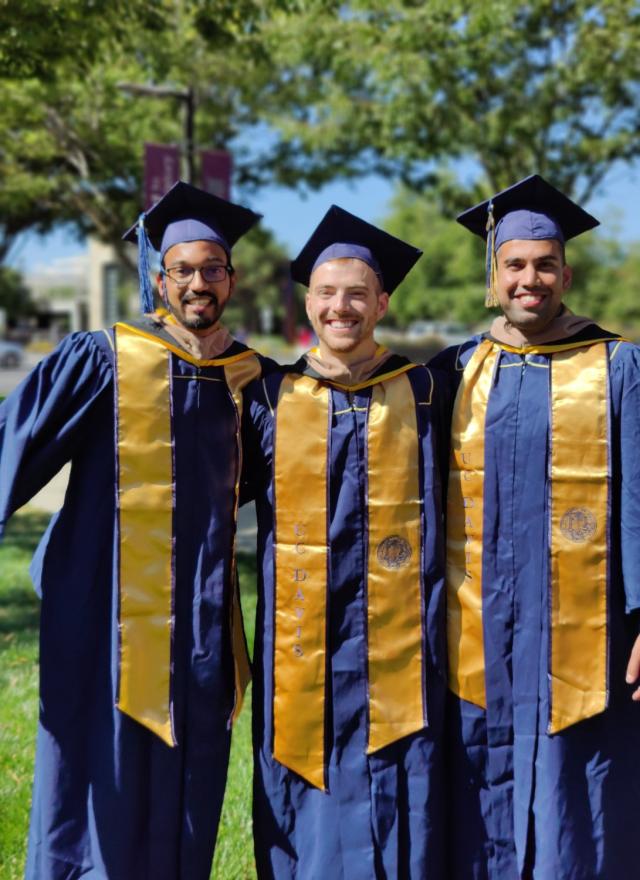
[(110, 799), (525, 803), (382, 815)]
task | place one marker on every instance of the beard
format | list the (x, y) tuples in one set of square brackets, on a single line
[(199, 322)]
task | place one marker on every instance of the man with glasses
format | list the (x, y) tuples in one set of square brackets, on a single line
[(140, 627)]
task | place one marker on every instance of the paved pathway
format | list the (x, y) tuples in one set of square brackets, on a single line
[(10, 378)]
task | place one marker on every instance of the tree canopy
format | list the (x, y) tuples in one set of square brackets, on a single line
[(411, 89), (71, 139), (15, 297), (450, 97)]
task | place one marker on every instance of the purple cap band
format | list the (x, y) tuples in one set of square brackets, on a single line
[(344, 251), (527, 225), (191, 230)]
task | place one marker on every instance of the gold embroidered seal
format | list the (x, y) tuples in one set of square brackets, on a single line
[(393, 552), (578, 525)]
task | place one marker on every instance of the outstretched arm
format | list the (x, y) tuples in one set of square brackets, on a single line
[(42, 421)]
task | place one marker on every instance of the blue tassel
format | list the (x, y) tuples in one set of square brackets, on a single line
[(146, 290)]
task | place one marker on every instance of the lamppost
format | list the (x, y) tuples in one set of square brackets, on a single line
[(187, 97)]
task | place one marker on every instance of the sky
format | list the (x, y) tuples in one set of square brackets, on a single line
[(292, 216)]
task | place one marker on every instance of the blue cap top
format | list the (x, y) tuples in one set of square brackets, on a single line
[(529, 210), (344, 251), (191, 230), (527, 225), (341, 235)]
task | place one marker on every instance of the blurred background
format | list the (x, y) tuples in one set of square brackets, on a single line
[(402, 112)]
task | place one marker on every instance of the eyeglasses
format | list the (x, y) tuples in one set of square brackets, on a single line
[(183, 275)]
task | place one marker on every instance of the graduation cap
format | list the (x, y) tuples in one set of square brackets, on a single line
[(341, 235), (185, 213), (530, 210)]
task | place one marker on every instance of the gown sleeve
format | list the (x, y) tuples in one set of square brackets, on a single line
[(42, 421), (257, 433), (446, 370), (625, 375)]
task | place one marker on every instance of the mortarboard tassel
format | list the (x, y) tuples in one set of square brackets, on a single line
[(146, 290), (491, 297)]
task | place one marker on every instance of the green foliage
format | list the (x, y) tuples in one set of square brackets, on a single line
[(448, 280), (303, 91), (15, 297), (624, 302), (262, 269), (19, 612), (550, 86), (605, 282), (71, 139), (36, 36)]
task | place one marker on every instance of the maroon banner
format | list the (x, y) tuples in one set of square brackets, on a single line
[(216, 172), (161, 170)]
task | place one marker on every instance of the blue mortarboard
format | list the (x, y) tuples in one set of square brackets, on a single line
[(530, 210), (341, 235), (186, 213)]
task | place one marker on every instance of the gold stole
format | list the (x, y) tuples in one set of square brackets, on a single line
[(394, 578), (145, 509), (579, 534), (579, 487), (465, 502)]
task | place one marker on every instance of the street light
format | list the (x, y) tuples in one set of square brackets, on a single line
[(185, 95)]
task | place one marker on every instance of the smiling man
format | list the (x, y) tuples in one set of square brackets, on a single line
[(195, 282), (202, 282), (344, 303), (543, 566), (140, 629), (348, 666), (532, 279)]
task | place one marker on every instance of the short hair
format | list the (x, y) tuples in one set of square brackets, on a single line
[(379, 281)]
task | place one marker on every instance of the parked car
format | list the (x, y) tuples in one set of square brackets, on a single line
[(448, 332), (10, 354)]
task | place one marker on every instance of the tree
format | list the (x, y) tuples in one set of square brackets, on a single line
[(60, 156), (15, 297), (410, 89), (38, 38), (303, 91), (262, 269), (71, 140), (622, 289), (448, 280)]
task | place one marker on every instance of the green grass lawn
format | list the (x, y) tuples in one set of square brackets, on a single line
[(19, 610)]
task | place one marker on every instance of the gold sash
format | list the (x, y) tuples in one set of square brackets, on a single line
[(579, 534), (465, 503), (145, 509), (395, 601), (301, 558), (579, 488), (394, 583)]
